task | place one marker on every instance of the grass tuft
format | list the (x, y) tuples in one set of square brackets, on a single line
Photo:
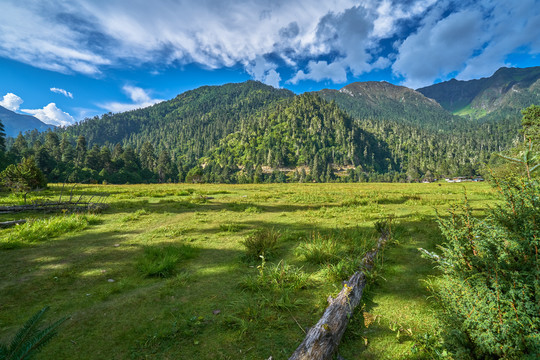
[(161, 261), (319, 250), (278, 277), (261, 243), (44, 229)]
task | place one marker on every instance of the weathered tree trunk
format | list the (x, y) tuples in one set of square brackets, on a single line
[(6, 224), (322, 339)]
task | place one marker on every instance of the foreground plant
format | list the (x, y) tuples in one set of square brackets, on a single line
[(490, 289), (29, 340)]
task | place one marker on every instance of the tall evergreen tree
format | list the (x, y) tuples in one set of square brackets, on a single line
[(80, 151)]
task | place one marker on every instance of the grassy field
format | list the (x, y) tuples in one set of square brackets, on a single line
[(163, 273)]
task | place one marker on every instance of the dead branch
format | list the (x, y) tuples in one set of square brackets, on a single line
[(323, 339), (6, 224)]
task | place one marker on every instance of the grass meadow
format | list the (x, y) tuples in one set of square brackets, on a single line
[(224, 271)]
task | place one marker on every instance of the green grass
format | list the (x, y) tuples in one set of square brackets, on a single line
[(196, 297)]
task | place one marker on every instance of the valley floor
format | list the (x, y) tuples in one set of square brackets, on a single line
[(214, 303)]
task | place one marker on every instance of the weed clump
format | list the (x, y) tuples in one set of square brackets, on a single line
[(277, 277), (319, 250), (44, 229), (261, 243), (158, 261)]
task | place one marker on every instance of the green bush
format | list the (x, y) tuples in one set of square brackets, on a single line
[(161, 261), (261, 243), (490, 288), (23, 177)]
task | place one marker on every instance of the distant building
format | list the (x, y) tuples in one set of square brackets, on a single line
[(459, 179)]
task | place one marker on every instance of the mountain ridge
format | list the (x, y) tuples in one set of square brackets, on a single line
[(15, 123), (479, 97)]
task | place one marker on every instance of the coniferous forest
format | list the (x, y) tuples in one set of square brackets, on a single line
[(252, 133)]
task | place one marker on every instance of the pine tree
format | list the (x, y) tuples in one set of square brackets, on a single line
[(80, 151)]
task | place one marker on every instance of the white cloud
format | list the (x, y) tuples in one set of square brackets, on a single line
[(264, 71), (11, 102), (139, 97), (472, 41), (62, 91), (322, 70), (52, 115), (439, 48), (84, 36)]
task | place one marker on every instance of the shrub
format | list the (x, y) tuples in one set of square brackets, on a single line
[(261, 243), (490, 289), (158, 261), (24, 176)]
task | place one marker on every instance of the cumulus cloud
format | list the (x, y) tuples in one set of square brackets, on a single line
[(330, 37), (139, 97), (322, 70), (51, 115), (62, 91), (470, 39), (264, 71), (440, 48), (11, 102), (83, 35)]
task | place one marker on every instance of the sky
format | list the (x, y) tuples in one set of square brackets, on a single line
[(64, 61)]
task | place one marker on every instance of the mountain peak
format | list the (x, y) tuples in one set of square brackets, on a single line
[(15, 123), (482, 96)]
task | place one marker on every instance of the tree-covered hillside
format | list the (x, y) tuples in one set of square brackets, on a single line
[(307, 132), (251, 132), (507, 88), (384, 101), (188, 125)]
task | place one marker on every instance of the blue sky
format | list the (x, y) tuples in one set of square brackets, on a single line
[(63, 61)]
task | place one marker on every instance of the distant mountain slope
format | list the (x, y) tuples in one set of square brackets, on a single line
[(15, 123), (507, 88), (306, 131), (384, 101), (188, 125)]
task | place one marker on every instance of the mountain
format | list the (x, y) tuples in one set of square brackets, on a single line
[(384, 101), (251, 132), (306, 131), (15, 123), (508, 89), (188, 125)]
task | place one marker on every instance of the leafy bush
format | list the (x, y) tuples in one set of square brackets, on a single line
[(24, 176), (158, 261), (490, 289), (261, 243)]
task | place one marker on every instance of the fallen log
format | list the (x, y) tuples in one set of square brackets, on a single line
[(322, 340), (6, 224), (56, 206)]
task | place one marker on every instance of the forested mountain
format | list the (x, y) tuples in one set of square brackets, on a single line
[(15, 123), (188, 125), (422, 137), (382, 100), (306, 132), (507, 89), (251, 132)]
